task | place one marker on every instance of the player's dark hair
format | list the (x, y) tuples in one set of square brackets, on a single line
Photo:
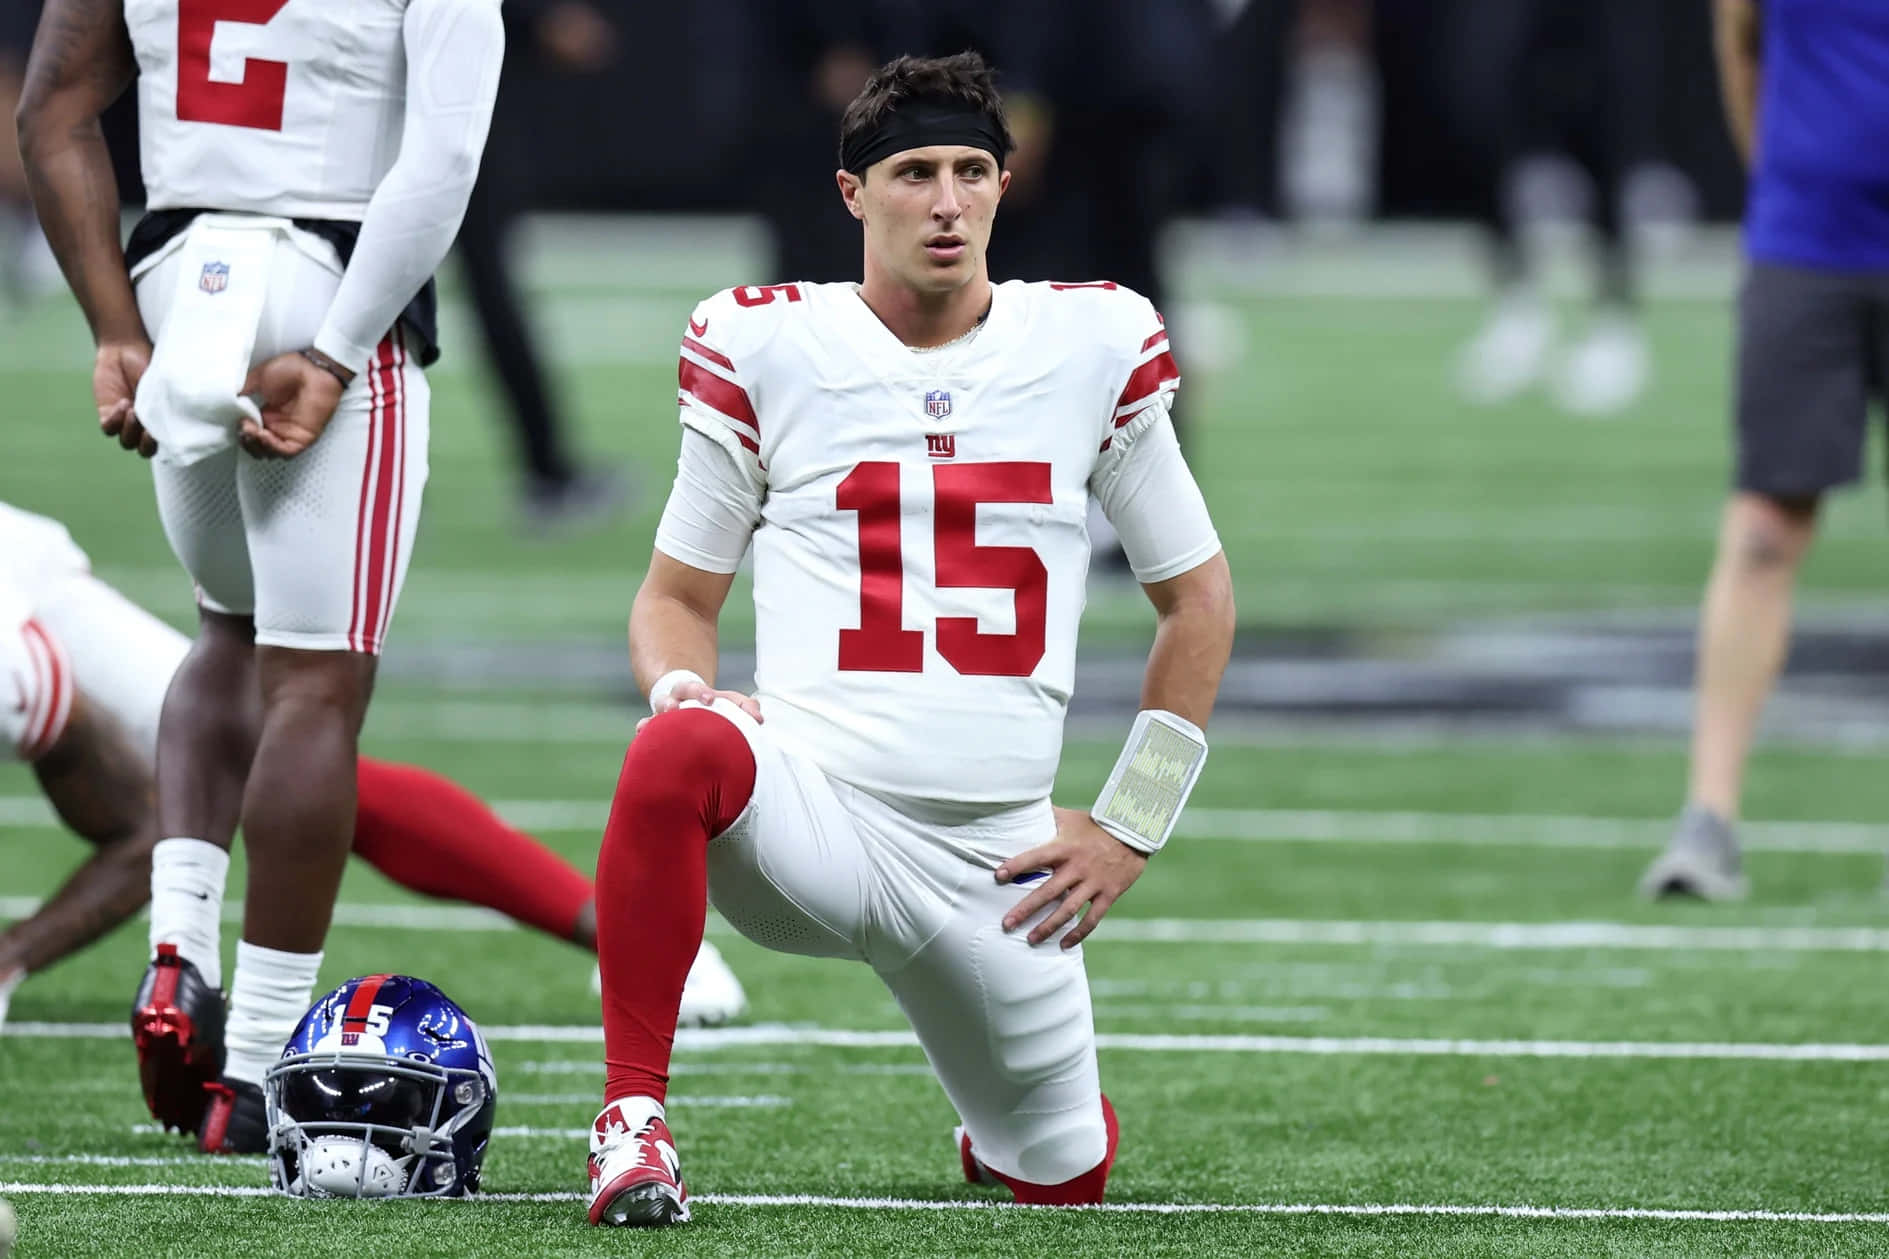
[(961, 83)]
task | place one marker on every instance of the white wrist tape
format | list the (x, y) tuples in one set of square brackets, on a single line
[(669, 682), (1148, 787)]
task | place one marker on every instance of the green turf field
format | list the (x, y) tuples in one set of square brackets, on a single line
[(1380, 998)]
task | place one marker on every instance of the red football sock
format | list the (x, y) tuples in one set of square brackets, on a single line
[(687, 777), (437, 838), (1083, 1190)]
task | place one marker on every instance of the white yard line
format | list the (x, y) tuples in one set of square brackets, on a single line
[(1499, 936), (762, 1101), (779, 1034), (1490, 1210), (1495, 830)]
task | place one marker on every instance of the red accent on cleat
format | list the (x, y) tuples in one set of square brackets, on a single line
[(220, 1102), (177, 1026), (1083, 1190), (635, 1177), (973, 1170)]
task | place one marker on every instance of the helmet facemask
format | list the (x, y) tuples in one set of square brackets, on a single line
[(352, 1124)]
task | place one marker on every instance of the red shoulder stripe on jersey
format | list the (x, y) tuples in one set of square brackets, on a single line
[(1160, 335), (361, 1004), (1149, 379), (1106, 443), (721, 394), (696, 347), (747, 441)]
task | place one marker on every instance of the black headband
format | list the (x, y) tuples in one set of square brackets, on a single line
[(918, 124)]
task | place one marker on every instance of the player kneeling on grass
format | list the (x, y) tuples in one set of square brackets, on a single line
[(912, 460), (88, 671), (386, 1090)]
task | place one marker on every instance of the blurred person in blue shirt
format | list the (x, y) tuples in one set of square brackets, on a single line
[(1806, 92)]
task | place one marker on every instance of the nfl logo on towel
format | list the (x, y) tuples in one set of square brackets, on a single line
[(938, 404), (215, 277)]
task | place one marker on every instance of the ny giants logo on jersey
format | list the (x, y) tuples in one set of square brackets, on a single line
[(941, 445), (215, 277), (938, 403)]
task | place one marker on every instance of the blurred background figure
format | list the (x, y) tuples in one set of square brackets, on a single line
[(544, 38), (1560, 102), (26, 265), (806, 59)]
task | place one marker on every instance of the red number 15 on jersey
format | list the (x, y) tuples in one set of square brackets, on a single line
[(882, 644)]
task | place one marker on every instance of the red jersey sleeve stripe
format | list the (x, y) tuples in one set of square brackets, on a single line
[(720, 394), (1160, 335), (1149, 379), (697, 348)]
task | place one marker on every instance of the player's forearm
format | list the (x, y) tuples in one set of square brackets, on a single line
[(667, 634), (1736, 36), (81, 62), (1192, 641), (102, 893), (455, 49)]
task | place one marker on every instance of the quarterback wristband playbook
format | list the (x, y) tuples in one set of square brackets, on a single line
[(669, 682), (1148, 787)]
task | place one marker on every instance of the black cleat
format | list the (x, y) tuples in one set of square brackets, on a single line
[(177, 1025), (235, 1121)]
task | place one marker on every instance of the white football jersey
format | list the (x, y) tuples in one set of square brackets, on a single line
[(35, 552), (36, 685), (282, 107), (920, 562)]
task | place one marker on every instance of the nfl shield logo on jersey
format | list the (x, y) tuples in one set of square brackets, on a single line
[(215, 277), (938, 404)]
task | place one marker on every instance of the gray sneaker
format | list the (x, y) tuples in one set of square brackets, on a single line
[(1700, 860)]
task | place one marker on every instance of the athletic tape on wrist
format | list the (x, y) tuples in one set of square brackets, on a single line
[(669, 682), (1148, 788)]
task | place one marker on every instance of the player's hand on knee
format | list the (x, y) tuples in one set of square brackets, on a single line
[(701, 693), (116, 370), (297, 399), (1087, 866)]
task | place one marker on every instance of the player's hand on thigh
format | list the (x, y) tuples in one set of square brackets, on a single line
[(1087, 866), (297, 399), (701, 693), (116, 370)]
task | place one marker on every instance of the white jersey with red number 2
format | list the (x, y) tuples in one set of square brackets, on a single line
[(921, 552), (284, 107)]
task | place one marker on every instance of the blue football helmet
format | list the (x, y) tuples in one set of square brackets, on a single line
[(386, 1090)]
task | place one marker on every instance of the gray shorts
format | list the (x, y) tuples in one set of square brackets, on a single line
[(1813, 347)]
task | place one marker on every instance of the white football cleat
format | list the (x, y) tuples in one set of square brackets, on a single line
[(711, 995), (635, 1176), (1510, 353), (1606, 370)]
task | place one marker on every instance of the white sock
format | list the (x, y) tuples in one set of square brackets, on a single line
[(270, 995), (187, 903)]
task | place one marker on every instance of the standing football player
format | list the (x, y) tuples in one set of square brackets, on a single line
[(912, 459), (87, 670), (306, 165)]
